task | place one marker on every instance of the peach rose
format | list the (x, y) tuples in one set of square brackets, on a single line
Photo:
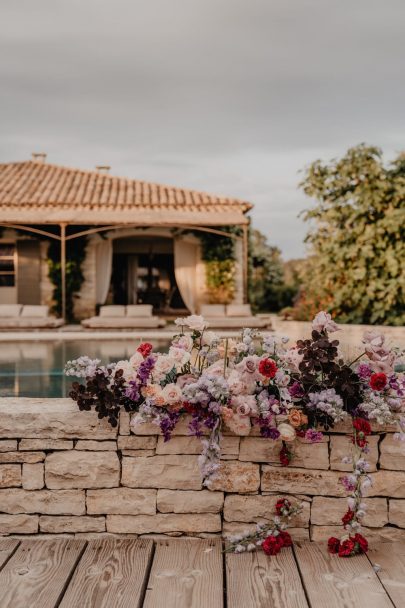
[(297, 418)]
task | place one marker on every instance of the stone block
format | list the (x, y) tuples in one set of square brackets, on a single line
[(96, 446), (8, 445), (341, 446), (164, 523), (137, 453), (329, 511), (121, 501), (148, 428), (30, 457), (287, 480), (306, 455), (49, 502), (18, 524), (57, 525), (45, 444), (236, 476), (396, 513), (171, 472), (33, 476), (10, 476), (79, 469), (133, 442), (179, 445), (50, 419), (189, 501), (387, 483), (392, 453), (124, 423), (258, 508)]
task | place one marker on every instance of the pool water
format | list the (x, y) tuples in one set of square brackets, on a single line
[(35, 369)]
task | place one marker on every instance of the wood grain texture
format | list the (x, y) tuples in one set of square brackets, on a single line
[(37, 573), (186, 574), (7, 547), (338, 582), (255, 580), (111, 573), (390, 557)]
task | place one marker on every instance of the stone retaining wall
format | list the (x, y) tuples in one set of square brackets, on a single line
[(65, 472)]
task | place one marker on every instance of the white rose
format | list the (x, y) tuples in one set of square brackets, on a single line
[(136, 360), (164, 364), (128, 371), (240, 425), (179, 355), (287, 432), (209, 337), (171, 394), (184, 342), (196, 322)]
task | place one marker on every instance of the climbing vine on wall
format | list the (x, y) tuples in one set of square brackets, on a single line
[(218, 253), (75, 255)]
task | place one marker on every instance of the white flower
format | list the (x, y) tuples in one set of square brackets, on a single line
[(240, 425), (209, 337), (184, 342), (171, 394), (196, 322), (179, 355), (245, 404), (136, 360), (287, 432), (323, 322), (281, 378), (164, 364), (128, 371)]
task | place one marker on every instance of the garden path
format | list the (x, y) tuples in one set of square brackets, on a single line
[(194, 573)]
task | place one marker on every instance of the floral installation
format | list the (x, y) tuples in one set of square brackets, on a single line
[(272, 536), (291, 393)]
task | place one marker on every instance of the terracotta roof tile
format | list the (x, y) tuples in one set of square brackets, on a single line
[(42, 185)]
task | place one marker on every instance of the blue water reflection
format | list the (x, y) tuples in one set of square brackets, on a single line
[(35, 369)]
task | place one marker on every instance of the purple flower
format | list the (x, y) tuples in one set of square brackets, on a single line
[(364, 371), (132, 391), (296, 390), (349, 483), (313, 436), (195, 426), (145, 368), (167, 423)]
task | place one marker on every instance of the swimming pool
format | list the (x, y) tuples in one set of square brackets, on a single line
[(35, 368)]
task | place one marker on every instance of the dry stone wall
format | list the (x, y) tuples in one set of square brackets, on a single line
[(63, 471)]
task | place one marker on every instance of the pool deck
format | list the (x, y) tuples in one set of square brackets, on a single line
[(194, 573)]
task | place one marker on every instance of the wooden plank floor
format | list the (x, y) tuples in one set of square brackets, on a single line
[(193, 573)]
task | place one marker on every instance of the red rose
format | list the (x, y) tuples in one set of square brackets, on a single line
[(272, 545), (347, 517), (145, 349), (333, 545), (281, 505), (362, 425), (286, 538), (346, 548), (362, 543), (378, 381), (268, 368)]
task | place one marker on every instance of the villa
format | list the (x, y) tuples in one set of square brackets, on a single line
[(140, 242)]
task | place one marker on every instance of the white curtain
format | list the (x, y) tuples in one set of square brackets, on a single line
[(104, 252), (185, 270)]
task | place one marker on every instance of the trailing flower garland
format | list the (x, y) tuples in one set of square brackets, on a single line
[(288, 393)]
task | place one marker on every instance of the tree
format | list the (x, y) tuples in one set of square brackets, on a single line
[(357, 236), (268, 290)]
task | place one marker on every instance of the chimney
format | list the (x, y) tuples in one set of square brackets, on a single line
[(38, 157), (103, 168)]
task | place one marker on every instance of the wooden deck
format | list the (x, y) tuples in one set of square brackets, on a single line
[(188, 573)]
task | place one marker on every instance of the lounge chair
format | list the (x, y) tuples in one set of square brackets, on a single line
[(18, 316), (122, 317), (232, 316)]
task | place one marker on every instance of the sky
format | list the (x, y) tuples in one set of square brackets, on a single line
[(233, 97)]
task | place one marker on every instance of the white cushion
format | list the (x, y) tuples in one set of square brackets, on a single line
[(10, 310), (35, 312), (112, 311), (238, 310), (139, 310), (212, 310)]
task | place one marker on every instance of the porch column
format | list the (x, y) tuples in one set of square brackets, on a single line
[(245, 244), (63, 268)]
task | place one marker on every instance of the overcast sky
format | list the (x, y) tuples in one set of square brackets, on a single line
[(230, 96)]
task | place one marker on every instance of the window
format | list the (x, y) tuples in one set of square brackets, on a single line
[(7, 264)]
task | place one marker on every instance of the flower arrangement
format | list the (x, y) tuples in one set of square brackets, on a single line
[(288, 392)]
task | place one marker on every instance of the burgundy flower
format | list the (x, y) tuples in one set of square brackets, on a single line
[(268, 368), (378, 381), (145, 349), (282, 505), (347, 548), (347, 517), (285, 456), (362, 543), (286, 538), (272, 545), (333, 544)]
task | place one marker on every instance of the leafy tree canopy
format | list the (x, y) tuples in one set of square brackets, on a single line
[(357, 236)]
